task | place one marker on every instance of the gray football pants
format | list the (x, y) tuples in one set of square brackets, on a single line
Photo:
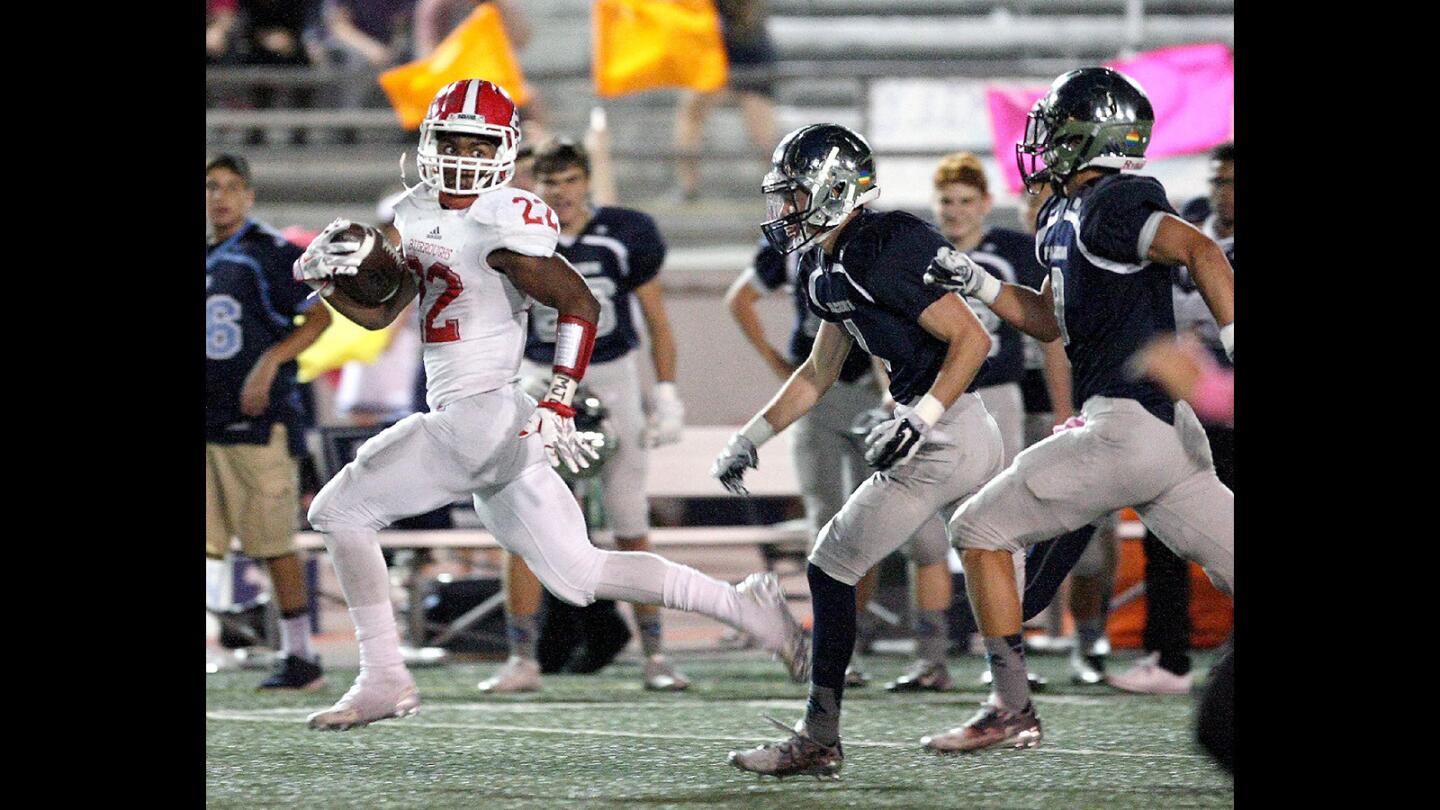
[(960, 453), (1122, 456), (830, 465)]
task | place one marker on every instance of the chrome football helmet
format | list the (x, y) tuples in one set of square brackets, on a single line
[(833, 167)]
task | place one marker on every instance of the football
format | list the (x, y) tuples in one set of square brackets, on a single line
[(381, 268)]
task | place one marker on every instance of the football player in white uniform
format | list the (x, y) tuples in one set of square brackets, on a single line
[(480, 253)]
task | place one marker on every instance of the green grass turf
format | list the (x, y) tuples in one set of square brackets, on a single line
[(601, 741)]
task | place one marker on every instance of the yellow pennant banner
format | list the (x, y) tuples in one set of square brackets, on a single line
[(477, 49), (647, 44), (342, 341)]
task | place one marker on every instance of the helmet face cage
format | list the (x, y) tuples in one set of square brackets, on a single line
[(485, 174)]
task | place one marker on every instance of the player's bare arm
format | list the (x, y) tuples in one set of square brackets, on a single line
[(1178, 242), (740, 299), (1056, 372), (811, 379), (951, 320), (662, 339), (1031, 312), (255, 395), (551, 280)]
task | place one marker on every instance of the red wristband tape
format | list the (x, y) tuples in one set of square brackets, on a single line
[(574, 341)]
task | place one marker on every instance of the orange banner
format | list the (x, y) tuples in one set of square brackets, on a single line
[(476, 49), (647, 44)]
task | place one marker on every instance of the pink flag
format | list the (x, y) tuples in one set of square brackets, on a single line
[(1191, 87)]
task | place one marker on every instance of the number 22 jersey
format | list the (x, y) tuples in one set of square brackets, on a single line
[(472, 317)]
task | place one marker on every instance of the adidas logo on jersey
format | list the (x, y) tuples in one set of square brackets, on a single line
[(434, 234)]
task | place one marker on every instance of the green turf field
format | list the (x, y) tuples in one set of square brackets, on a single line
[(601, 741)]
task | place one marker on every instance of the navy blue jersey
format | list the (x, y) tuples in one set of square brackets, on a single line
[(773, 271), (619, 250), (1109, 300), (1009, 256), (874, 287), (251, 302)]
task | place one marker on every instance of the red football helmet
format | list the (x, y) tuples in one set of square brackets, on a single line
[(469, 107)]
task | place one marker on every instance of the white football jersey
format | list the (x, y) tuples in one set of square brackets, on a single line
[(472, 318)]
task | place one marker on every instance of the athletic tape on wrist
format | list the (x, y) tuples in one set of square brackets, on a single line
[(930, 409), (758, 431), (1227, 339), (561, 390), (989, 288), (574, 341)]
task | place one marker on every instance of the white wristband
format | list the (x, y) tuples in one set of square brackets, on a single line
[(758, 431), (989, 288), (930, 409), (1227, 339), (666, 391)]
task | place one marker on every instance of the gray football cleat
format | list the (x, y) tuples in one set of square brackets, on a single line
[(989, 728), (376, 695), (800, 755), (515, 675), (661, 676), (854, 677), (923, 676), (768, 618)]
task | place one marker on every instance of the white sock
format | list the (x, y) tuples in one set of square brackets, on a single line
[(379, 640), (649, 579), (295, 637)]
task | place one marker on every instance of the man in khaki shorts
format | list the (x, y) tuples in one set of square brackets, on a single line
[(253, 410)]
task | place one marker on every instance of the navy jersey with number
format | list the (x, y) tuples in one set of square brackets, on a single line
[(251, 302), (874, 287), (1109, 300), (773, 271), (619, 250), (1009, 256)]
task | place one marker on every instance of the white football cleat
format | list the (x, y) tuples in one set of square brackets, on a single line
[(515, 675), (1147, 677), (376, 695), (768, 618)]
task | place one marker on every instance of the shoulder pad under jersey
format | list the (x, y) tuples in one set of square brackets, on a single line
[(525, 223)]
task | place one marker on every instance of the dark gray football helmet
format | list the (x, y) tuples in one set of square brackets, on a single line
[(1092, 117), (833, 166)]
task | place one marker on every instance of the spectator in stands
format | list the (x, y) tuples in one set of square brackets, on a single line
[(1166, 668), (269, 33), (368, 36), (752, 57), (254, 418)]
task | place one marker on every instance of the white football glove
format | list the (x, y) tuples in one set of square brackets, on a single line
[(555, 422), (324, 259), (895, 441), (738, 456), (667, 417), (957, 272)]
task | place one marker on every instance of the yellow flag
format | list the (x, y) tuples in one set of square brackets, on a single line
[(645, 44), (342, 341), (477, 49)]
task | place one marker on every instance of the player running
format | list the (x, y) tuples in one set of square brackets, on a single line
[(481, 254), (863, 276), (1109, 240)]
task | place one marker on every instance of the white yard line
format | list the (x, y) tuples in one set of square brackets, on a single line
[(274, 716)]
